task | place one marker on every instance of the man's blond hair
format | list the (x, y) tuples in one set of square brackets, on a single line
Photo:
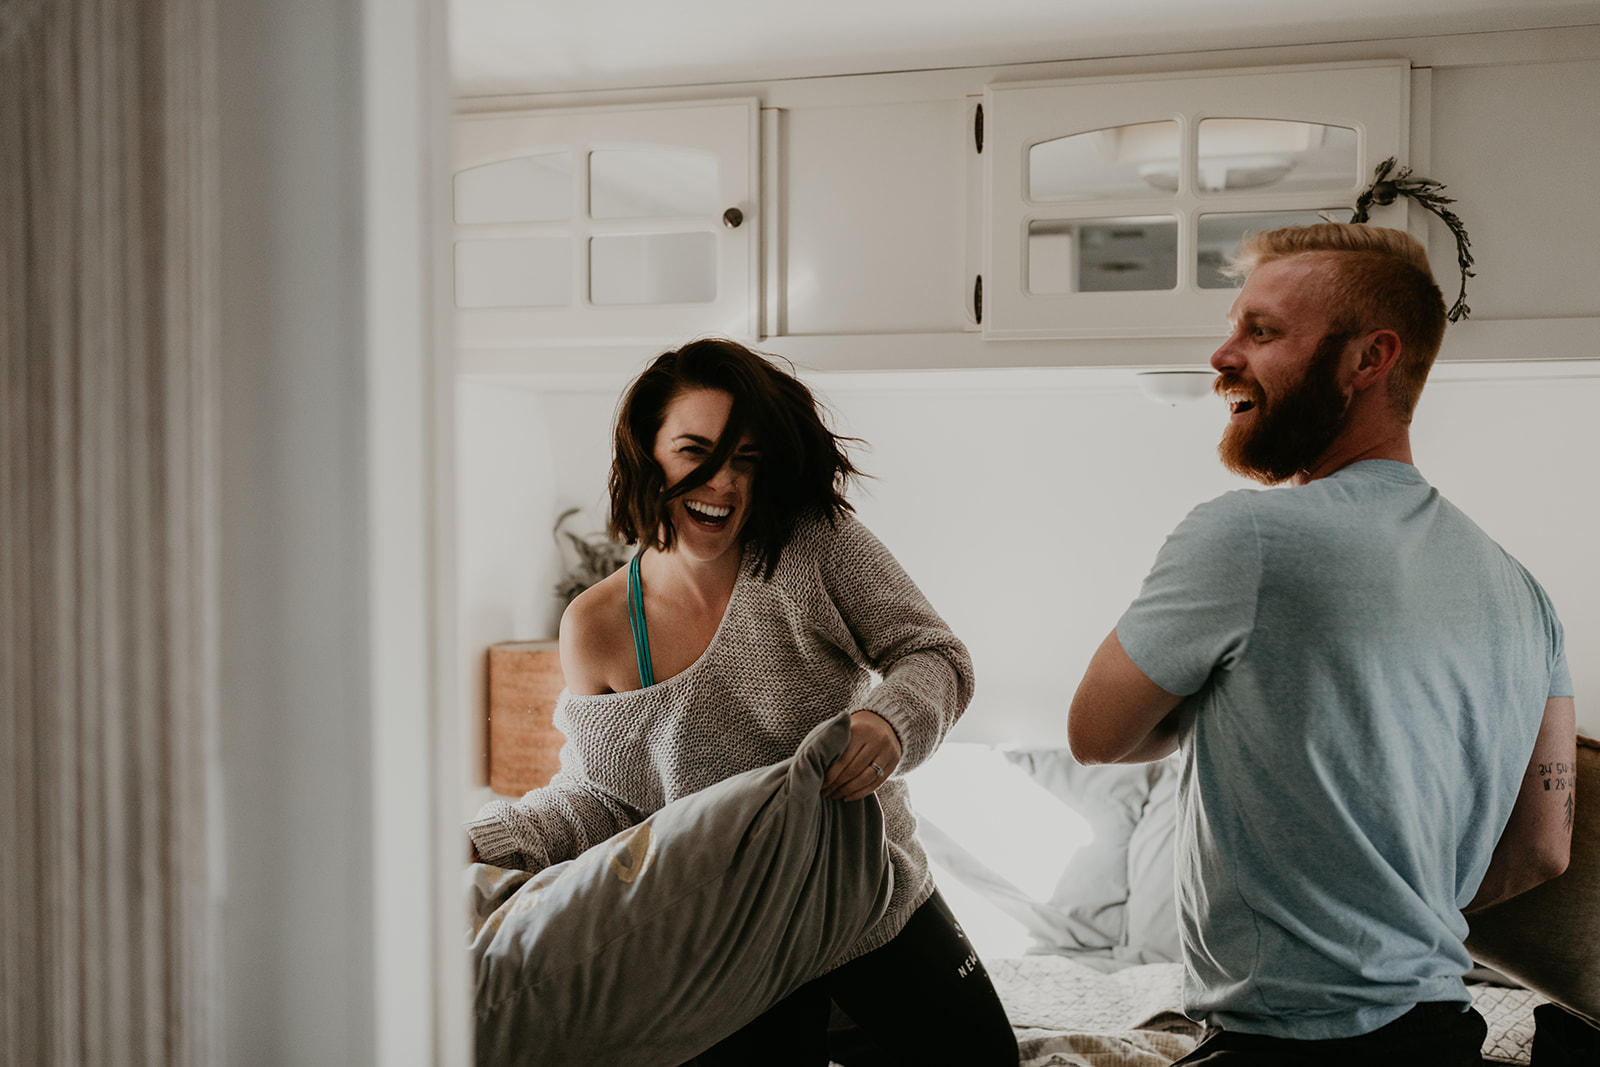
[(1377, 279)]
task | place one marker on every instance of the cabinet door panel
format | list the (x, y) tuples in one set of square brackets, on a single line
[(636, 198), (1111, 204)]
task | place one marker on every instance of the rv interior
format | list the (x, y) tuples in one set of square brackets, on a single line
[(317, 314), (1030, 443)]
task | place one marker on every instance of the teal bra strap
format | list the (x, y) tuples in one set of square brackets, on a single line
[(641, 637)]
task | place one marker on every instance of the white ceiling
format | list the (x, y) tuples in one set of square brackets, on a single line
[(532, 46)]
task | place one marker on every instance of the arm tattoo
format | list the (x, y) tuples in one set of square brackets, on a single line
[(1561, 778)]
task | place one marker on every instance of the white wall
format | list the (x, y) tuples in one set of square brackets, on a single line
[(1030, 517), (337, 945), (296, 955), (1030, 512), (1029, 504), (508, 468)]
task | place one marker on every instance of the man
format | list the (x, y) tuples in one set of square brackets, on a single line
[(1370, 695)]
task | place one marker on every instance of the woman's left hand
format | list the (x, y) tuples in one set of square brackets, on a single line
[(867, 762)]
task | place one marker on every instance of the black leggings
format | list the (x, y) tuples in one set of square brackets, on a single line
[(924, 999)]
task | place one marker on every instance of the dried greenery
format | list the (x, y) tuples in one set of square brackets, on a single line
[(598, 556), (1388, 183)]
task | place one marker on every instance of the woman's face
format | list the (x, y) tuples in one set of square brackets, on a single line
[(709, 518)]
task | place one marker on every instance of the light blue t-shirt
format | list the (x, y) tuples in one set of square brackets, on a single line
[(1365, 673)]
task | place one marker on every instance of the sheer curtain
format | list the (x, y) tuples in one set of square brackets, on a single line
[(107, 532)]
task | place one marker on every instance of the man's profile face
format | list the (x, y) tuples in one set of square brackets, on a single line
[(1281, 372)]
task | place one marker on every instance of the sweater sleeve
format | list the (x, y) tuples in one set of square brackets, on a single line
[(549, 825), (926, 672)]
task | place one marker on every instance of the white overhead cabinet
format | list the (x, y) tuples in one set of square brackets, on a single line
[(1112, 204), (606, 225)]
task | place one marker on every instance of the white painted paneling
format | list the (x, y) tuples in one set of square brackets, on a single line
[(876, 217), (1517, 148)]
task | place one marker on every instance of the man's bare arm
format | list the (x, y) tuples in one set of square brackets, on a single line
[(1118, 715), (1537, 841)]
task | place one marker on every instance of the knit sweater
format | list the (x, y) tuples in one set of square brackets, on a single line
[(789, 653)]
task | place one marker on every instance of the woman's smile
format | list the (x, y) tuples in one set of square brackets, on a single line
[(712, 516)]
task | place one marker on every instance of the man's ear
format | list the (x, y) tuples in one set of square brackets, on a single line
[(1380, 351)]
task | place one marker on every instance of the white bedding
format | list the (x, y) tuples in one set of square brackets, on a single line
[(1070, 1015), (1509, 1013), (1036, 853)]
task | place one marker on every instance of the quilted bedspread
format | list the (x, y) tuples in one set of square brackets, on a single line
[(1069, 1015)]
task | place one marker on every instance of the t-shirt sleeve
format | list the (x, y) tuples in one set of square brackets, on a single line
[(1560, 673), (1560, 677), (1197, 607)]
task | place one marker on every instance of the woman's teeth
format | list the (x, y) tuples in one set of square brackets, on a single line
[(709, 513)]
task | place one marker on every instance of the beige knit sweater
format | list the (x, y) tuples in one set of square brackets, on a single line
[(789, 653)]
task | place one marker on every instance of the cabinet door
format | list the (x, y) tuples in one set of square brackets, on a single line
[(1112, 204), (600, 225)]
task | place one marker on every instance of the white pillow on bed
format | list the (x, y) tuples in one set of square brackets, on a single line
[(1039, 854), (1152, 888)]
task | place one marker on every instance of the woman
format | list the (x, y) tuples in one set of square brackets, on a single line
[(756, 608)]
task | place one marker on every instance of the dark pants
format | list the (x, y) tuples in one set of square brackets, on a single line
[(924, 999), (1438, 1034)]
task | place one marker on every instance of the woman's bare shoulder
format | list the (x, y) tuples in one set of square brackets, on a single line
[(596, 643)]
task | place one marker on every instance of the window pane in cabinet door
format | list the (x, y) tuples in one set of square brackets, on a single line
[(535, 188), (1220, 234), (1135, 161), (1275, 155), (1102, 255), (514, 273), (653, 268), (653, 184)]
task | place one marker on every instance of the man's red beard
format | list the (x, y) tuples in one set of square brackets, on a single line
[(1290, 434)]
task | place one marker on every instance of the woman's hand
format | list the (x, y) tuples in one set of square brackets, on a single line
[(867, 762)]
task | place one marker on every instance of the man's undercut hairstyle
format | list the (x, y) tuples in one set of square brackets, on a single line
[(1379, 279), (801, 465)]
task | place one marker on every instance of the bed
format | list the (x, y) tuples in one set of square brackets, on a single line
[(1061, 876)]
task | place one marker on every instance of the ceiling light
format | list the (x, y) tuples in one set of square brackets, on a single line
[(1175, 386)]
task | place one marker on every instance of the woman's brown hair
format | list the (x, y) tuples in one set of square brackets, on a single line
[(802, 465)]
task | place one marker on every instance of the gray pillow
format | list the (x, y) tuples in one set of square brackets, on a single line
[(1091, 899), (654, 945), (1549, 937), (1153, 875)]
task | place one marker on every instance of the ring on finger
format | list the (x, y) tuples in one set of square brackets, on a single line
[(874, 766)]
